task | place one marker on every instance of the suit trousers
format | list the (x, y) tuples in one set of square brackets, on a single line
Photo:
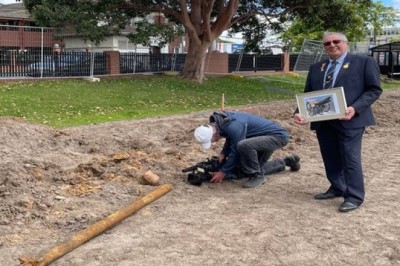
[(254, 153), (341, 153)]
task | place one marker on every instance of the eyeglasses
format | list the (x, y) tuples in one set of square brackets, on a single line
[(334, 42)]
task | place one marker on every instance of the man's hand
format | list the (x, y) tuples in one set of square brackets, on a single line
[(221, 158), (217, 177), (350, 112), (298, 119)]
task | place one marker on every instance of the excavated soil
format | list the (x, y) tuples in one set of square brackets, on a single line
[(55, 183)]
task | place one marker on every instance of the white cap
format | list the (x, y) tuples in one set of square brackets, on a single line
[(203, 135)]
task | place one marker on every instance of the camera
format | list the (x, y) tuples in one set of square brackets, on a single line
[(201, 171)]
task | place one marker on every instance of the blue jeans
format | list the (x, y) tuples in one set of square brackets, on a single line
[(255, 152)]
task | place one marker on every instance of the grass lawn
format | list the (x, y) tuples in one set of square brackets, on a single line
[(63, 103)]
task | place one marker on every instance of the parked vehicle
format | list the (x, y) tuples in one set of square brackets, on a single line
[(67, 64), (128, 65)]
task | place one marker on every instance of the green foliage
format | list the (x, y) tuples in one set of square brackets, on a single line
[(354, 18), (204, 21), (380, 16), (97, 19), (145, 30), (94, 20)]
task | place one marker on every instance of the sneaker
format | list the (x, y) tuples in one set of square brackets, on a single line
[(255, 181), (293, 161)]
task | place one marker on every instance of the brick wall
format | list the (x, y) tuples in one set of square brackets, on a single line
[(112, 62), (216, 63)]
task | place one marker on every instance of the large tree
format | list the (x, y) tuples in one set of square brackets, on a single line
[(203, 20)]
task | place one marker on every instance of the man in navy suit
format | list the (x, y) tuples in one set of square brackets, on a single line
[(340, 140)]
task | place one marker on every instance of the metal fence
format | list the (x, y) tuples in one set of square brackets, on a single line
[(139, 62), (40, 52), (69, 64), (252, 62), (62, 64), (34, 64), (312, 51)]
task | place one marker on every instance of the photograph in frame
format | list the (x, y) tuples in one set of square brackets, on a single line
[(322, 105)]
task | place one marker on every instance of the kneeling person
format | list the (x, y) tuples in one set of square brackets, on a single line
[(250, 142)]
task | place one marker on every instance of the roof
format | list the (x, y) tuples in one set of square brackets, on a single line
[(387, 47), (14, 11)]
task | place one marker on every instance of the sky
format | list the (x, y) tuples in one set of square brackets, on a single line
[(393, 3)]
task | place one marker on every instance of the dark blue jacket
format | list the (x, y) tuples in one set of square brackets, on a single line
[(237, 126), (360, 79)]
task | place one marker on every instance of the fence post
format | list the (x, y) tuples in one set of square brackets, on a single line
[(286, 62), (112, 62), (217, 63), (56, 53)]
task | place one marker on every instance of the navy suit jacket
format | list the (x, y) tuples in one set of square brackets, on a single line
[(360, 78)]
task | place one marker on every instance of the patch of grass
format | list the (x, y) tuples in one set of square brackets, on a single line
[(390, 84), (64, 103)]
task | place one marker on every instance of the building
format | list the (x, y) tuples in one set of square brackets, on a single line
[(18, 32), (388, 34)]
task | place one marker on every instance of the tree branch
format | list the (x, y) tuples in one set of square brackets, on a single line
[(207, 7), (224, 20)]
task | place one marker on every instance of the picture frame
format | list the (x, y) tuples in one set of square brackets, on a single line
[(322, 105)]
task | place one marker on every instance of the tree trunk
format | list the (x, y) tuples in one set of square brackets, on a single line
[(195, 62)]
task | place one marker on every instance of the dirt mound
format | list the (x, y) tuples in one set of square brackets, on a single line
[(56, 182)]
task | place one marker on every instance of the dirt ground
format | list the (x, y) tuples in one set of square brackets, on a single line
[(55, 183)]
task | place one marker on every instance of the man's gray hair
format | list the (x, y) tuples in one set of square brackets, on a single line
[(342, 36)]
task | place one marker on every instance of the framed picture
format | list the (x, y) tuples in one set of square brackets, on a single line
[(322, 105)]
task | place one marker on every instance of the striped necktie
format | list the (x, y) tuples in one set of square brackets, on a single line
[(328, 83)]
